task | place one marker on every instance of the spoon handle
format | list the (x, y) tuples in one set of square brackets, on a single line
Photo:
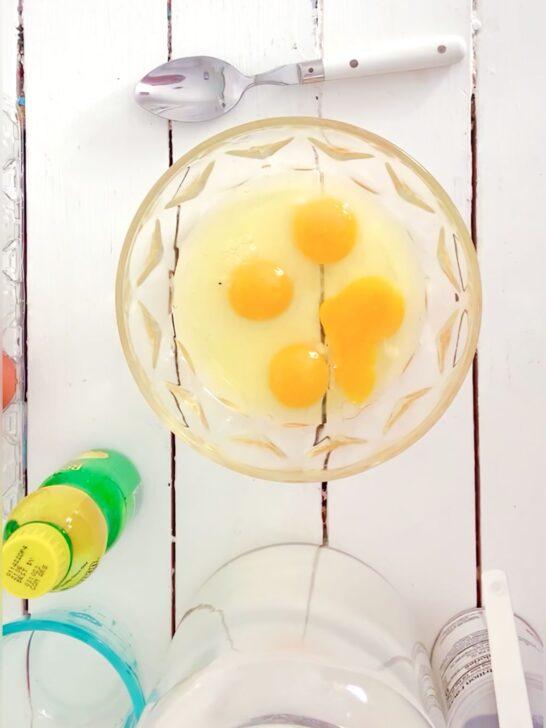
[(406, 55)]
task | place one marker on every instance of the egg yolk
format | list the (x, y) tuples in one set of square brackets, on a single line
[(365, 313), (259, 289), (324, 229), (298, 375)]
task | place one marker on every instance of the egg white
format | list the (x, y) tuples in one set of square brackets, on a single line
[(231, 354)]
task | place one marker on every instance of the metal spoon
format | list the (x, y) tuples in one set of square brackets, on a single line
[(200, 87)]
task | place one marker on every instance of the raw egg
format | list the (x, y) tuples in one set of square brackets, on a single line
[(325, 229), (364, 314), (355, 371), (246, 301), (298, 375), (9, 380), (259, 290)]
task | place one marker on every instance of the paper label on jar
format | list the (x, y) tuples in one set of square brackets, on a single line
[(462, 660), (466, 659)]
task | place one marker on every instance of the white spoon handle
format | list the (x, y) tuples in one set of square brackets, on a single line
[(426, 52)]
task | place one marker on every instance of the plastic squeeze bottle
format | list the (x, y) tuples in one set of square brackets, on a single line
[(55, 537)]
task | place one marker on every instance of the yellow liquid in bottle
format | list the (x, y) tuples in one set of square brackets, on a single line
[(73, 512)]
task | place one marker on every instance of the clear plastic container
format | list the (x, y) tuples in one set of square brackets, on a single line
[(462, 660), (66, 669), (12, 301), (295, 635)]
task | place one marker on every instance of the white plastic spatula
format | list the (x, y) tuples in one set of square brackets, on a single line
[(198, 88), (513, 707)]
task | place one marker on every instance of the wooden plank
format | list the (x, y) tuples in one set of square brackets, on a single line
[(511, 189), (413, 518), (221, 514), (92, 155), (254, 36), (11, 607)]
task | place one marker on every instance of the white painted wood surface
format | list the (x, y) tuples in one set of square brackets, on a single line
[(511, 192), (438, 575), (413, 518), (92, 155), (220, 514)]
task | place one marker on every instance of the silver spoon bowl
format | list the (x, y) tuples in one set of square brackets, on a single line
[(192, 89)]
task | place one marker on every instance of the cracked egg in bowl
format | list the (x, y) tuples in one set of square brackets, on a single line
[(298, 299)]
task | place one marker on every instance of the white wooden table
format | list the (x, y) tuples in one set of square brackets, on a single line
[(472, 492)]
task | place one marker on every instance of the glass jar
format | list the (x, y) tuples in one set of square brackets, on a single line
[(295, 635), (462, 660)]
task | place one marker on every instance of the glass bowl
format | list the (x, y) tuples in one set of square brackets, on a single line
[(355, 438)]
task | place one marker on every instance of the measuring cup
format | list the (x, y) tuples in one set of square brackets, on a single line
[(69, 669)]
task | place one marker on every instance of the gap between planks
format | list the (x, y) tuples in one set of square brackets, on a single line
[(318, 33), (173, 437), (20, 106), (475, 366)]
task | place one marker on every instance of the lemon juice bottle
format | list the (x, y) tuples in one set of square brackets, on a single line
[(55, 537)]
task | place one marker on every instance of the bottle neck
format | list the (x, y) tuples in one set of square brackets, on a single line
[(110, 479), (105, 493)]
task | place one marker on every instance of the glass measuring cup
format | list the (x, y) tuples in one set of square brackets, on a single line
[(295, 635), (69, 669)]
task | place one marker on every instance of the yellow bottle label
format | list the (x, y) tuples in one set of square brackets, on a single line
[(77, 514)]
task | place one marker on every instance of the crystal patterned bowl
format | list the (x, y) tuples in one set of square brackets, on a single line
[(355, 438)]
